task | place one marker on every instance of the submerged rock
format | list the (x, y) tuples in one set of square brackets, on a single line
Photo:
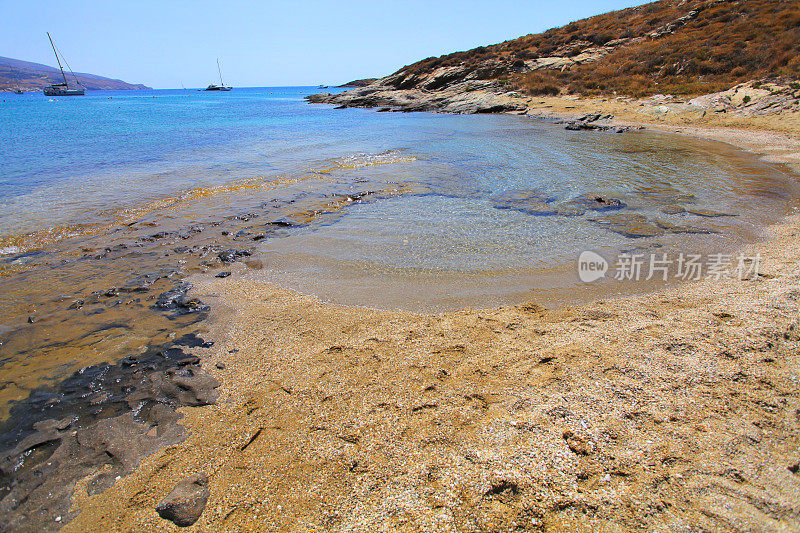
[(675, 228), (708, 213), (177, 301), (539, 204), (591, 202), (673, 209), (630, 225), (184, 505), (531, 202), (231, 256)]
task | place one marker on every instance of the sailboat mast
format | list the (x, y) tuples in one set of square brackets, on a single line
[(220, 73), (57, 59)]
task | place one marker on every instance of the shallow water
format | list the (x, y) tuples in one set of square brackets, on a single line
[(391, 210), (449, 229)]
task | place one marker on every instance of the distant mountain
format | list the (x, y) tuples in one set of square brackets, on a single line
[(28, 76)]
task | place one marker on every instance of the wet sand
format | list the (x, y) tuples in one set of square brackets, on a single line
[(675, 410)]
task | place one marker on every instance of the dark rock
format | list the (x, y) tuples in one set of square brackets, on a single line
[(597, 122), (503, 490), (77, 304), (223, 274), (177, 301), (31, 319), (245, 217), (282, 223), (184, 505), (221, 366), (231, 256), (318, 98), (192, 341)]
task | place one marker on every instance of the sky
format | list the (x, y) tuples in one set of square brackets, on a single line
[(169, 44)]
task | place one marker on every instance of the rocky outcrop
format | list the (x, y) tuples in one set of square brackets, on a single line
[(598, 53), (597, 122), (753, 98), (99, 422), (463, 98)]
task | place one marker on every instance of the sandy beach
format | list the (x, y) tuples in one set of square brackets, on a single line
[(671, 411)]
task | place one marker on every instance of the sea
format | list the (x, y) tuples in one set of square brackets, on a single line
[(440, 216)]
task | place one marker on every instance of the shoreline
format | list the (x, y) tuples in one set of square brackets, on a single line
[(777, 137), (707, 120), (673, 409)]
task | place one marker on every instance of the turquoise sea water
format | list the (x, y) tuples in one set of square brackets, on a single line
[(69, 164)]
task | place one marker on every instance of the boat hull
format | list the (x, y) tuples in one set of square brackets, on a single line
[(218, 88), (54, 91)]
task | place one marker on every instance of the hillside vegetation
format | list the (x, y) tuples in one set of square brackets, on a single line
[(668, 46), (28, 76)]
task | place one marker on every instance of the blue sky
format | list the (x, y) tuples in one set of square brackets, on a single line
[(300, 42)]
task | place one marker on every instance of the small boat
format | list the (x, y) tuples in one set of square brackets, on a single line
[(221, 86), (18, 91), (62, 89)]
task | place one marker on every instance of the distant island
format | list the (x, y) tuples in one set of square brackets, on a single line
[(28, 76)]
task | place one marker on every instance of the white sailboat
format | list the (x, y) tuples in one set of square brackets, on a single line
[(221, 86), (62, 89)]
